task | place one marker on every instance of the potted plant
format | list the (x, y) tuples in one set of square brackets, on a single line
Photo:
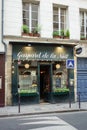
[(67, 34), (25, 30), (82, 38), (56, 34), (36, 31), (62, 33)]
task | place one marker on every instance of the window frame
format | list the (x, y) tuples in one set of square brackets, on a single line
[(59, 22), (83, 23), (29, 18)]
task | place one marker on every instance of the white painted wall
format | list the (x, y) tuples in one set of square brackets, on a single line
[(46, 18), (13, 17), (74, 22)]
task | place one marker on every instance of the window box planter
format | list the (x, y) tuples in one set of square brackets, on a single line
[(25, 34), (28, 94), (60, 93), (82, 38), (31, 34), (57, 37), (36, 34), (56, 34), (65, 37)]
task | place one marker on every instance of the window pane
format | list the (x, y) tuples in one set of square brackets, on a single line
[(25, 6), (59, 20), (30, 15), (25, 14), (63, 12), (26, 21), (34, 7), (59, 76), (34, 15), (27, 78), (62, 26), (55, 10), (55, 26), (82, 29), (34, 24), (62, 19), (55, 18), (83, 23)]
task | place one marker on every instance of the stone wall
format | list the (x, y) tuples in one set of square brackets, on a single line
[(8, 69)]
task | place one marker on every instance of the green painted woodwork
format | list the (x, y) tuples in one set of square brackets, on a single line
[(45, 53), (41, 52)]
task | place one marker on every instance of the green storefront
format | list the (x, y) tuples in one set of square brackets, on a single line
[(40, 71)]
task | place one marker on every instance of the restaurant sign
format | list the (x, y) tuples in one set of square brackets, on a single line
[(41, 56)]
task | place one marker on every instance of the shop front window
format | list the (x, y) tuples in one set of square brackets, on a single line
[(60, 76), (28, 77)]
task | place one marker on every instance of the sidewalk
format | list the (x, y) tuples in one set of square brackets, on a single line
[(41, 109)]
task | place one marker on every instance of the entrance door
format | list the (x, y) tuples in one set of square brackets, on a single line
[(82, 78), (45, 82)]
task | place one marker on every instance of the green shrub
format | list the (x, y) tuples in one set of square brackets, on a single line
[(25, 29), (61, 89), (36, 30), (82, 37), (67, 33), (62, 32), (56, 33)]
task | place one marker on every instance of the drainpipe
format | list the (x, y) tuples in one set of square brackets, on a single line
[(2, 24)]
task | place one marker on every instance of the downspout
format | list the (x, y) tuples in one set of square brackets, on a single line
[(5, 46)]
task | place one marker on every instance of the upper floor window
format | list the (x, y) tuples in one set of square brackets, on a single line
[(83, 24), (59, 19), (30, 15)]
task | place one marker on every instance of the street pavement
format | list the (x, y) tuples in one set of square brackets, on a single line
[(45, 123), (42, 108)]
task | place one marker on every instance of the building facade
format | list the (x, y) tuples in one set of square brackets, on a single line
[(41, 37)]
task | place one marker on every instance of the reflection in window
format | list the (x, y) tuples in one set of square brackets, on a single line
[(28, 78), (59, 76)]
